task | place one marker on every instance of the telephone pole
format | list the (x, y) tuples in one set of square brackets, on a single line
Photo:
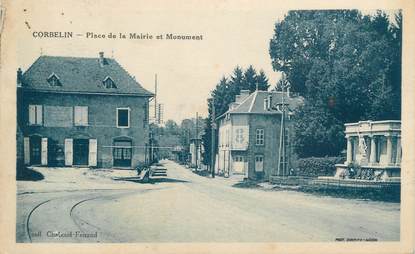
[(282, 163), (197, 142), (155, 100), (212, 152)]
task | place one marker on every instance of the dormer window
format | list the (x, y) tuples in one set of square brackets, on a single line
[(53, 80), (109, 83)]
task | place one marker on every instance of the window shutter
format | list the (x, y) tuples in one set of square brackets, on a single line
[(85, 115), (92, 160), (77, 119), (44, 151), (26, 150), (81, 115), (32, 114), (39, 114), (68, 152)]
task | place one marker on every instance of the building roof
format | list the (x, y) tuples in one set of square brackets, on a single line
[(254, 103), (81, 75)]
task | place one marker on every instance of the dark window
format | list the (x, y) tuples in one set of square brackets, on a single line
[(53, 80), (109, 83), (123, 116)]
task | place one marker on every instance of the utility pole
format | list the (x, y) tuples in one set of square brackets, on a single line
[(151, 149), (282, 164), (197, 142), (155, 100), (212, 152)]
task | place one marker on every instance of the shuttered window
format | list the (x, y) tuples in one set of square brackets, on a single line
[(81, 116), (35, 115)]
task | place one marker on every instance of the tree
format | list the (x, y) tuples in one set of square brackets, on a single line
[(347, 67), (262, 81), (171, 127)]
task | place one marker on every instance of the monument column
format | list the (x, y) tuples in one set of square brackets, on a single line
[(349, 150), (373, 150), (398, 150), (388, 149)]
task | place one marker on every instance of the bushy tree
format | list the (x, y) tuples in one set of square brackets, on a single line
[(346, 65)]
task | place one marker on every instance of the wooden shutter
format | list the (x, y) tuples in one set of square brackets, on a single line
[(92, 160), (44, 157), (39, 114), (81, 115), (85, 116), (68, 152), (77, 114), (26, 150), (32, 114)]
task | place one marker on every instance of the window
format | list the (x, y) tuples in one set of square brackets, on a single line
[(109, 83), (35, 115), (123, 118), (239, 135), (81, 116), (53, 80), (260, 137), (238, 158)]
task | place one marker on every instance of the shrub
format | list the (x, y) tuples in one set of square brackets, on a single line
[(318, 166)]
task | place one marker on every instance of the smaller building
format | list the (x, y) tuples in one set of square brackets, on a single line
[(195, 152), (249, 135), (374, 151)]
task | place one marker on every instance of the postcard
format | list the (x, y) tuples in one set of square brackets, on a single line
[(207, 127)]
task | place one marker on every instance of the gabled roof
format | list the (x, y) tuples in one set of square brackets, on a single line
[(80, 75), (254, 103)]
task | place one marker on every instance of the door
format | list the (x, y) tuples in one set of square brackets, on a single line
[(80, 151), (238, 164), (35, 150), (259, 163), (122, 153)]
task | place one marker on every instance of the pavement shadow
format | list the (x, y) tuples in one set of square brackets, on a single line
[(166, 180), (27, 174), (247, 184), (151, 180)]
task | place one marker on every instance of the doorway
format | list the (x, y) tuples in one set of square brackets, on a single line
[(35, 150), (80, 151), (259, 163), (122, 153)]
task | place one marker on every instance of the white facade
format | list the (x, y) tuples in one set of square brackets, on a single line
[(373, 145)]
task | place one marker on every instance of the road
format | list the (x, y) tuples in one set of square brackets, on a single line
[(185, 207)]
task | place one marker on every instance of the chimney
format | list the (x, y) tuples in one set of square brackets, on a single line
[(101, 59), (19, 76)]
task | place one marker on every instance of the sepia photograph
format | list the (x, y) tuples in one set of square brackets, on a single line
[(224, 123)]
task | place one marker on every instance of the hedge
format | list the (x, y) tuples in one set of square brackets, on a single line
[(318, 166)]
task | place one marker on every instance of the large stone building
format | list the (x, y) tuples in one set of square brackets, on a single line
[(249, 135), (77, 111)]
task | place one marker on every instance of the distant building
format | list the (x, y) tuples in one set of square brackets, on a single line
[(249, 135), (374, 147), (77, 111), (195, 152)]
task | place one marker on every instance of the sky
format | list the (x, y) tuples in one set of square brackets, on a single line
[(233, 34)]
